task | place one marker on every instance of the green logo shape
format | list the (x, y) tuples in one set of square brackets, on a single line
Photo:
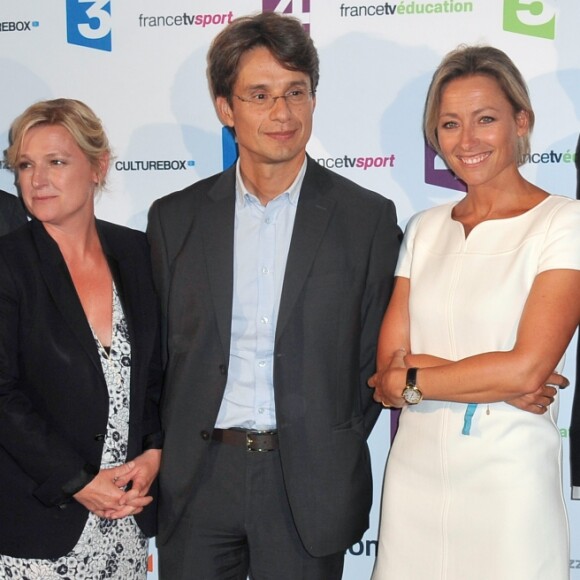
[(530, 18)]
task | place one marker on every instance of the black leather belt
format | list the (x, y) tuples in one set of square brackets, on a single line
[(261, 441)]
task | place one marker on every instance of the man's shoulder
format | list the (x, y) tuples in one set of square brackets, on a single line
[(189, 197)]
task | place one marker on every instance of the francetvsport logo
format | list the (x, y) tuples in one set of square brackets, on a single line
[(358, 162), (532, 18), (88, 23)]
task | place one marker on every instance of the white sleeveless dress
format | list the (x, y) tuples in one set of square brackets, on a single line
[(477, 499)]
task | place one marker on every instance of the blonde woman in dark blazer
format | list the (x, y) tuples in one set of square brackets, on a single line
[(79, 374)]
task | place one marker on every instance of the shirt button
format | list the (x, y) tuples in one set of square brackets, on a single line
[(223, 369), (204, 435), (268, 220), (264, 320), (265, 270), (261, 411), (262, 364)]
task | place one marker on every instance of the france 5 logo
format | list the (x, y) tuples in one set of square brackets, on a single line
[(88, 23), (532, 18)]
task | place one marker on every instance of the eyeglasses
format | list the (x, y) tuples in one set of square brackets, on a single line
[(295, 97)]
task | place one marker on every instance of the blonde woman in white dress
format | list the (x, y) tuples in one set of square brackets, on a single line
[(487, 298)]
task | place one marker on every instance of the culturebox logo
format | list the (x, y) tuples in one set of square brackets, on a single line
[(154, 164), (298, 8), (18, 25), (88, 23), (532, 18)]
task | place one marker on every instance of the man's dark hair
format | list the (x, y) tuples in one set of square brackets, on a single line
[(283, 36)]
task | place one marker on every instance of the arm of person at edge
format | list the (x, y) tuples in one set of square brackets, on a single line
[(520, 376)]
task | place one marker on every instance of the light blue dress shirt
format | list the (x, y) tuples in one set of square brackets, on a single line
[(262, 235)]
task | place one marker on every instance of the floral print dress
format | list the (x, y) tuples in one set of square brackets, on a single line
[(107, 549)]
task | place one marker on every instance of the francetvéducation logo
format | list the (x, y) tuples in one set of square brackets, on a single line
[(532, 18), (88, 23)]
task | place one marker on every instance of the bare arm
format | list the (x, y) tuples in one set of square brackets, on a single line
[(550, 316)]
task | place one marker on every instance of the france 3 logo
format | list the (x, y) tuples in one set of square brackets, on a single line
[(88, 23), (532, 18)]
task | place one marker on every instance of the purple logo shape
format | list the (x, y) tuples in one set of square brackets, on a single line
[(440, 177)]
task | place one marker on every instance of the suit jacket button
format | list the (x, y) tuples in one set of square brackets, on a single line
[(99, 437), (223, 369), (205, 435)]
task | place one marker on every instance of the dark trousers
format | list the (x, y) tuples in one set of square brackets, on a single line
[(239, 523)]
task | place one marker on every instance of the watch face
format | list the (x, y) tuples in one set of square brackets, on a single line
[(412, 395)]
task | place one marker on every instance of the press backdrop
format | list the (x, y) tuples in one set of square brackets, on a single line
[(141, 65)]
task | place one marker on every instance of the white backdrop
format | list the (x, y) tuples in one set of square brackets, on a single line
[(141, 65)]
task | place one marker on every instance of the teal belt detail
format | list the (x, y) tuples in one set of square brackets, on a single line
[(467, 419)]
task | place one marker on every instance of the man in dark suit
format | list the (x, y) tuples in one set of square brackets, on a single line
[(11, 213), (273, 278), (575, 422)]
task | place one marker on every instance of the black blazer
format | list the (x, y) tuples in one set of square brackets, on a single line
[(53, 395), (12, 212), (336, 287)]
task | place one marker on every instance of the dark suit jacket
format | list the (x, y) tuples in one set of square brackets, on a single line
[(575, 422), (336, 287), (12, 213), (53, 395)]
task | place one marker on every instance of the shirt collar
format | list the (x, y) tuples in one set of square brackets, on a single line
[(293, 191)]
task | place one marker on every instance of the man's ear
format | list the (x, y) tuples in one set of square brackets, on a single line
[(224, 111)]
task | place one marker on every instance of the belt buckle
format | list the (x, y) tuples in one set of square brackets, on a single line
[(250, 441)]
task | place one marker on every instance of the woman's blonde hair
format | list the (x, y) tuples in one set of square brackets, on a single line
[(76, 117)]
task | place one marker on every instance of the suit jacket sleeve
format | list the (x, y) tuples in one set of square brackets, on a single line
[(159, 261), (25, 435), (382, 261)]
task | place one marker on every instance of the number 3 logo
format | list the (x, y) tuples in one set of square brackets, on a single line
[(89, 23), (97, 11), (531, 18)]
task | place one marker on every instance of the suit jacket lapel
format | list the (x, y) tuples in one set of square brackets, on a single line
[(218, 237), (312, 216), (124, 272), (60, 285)]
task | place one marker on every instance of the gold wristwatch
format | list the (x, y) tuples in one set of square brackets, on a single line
[(411, 393)]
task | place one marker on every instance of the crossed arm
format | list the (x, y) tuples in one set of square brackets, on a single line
[(521, 376)]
